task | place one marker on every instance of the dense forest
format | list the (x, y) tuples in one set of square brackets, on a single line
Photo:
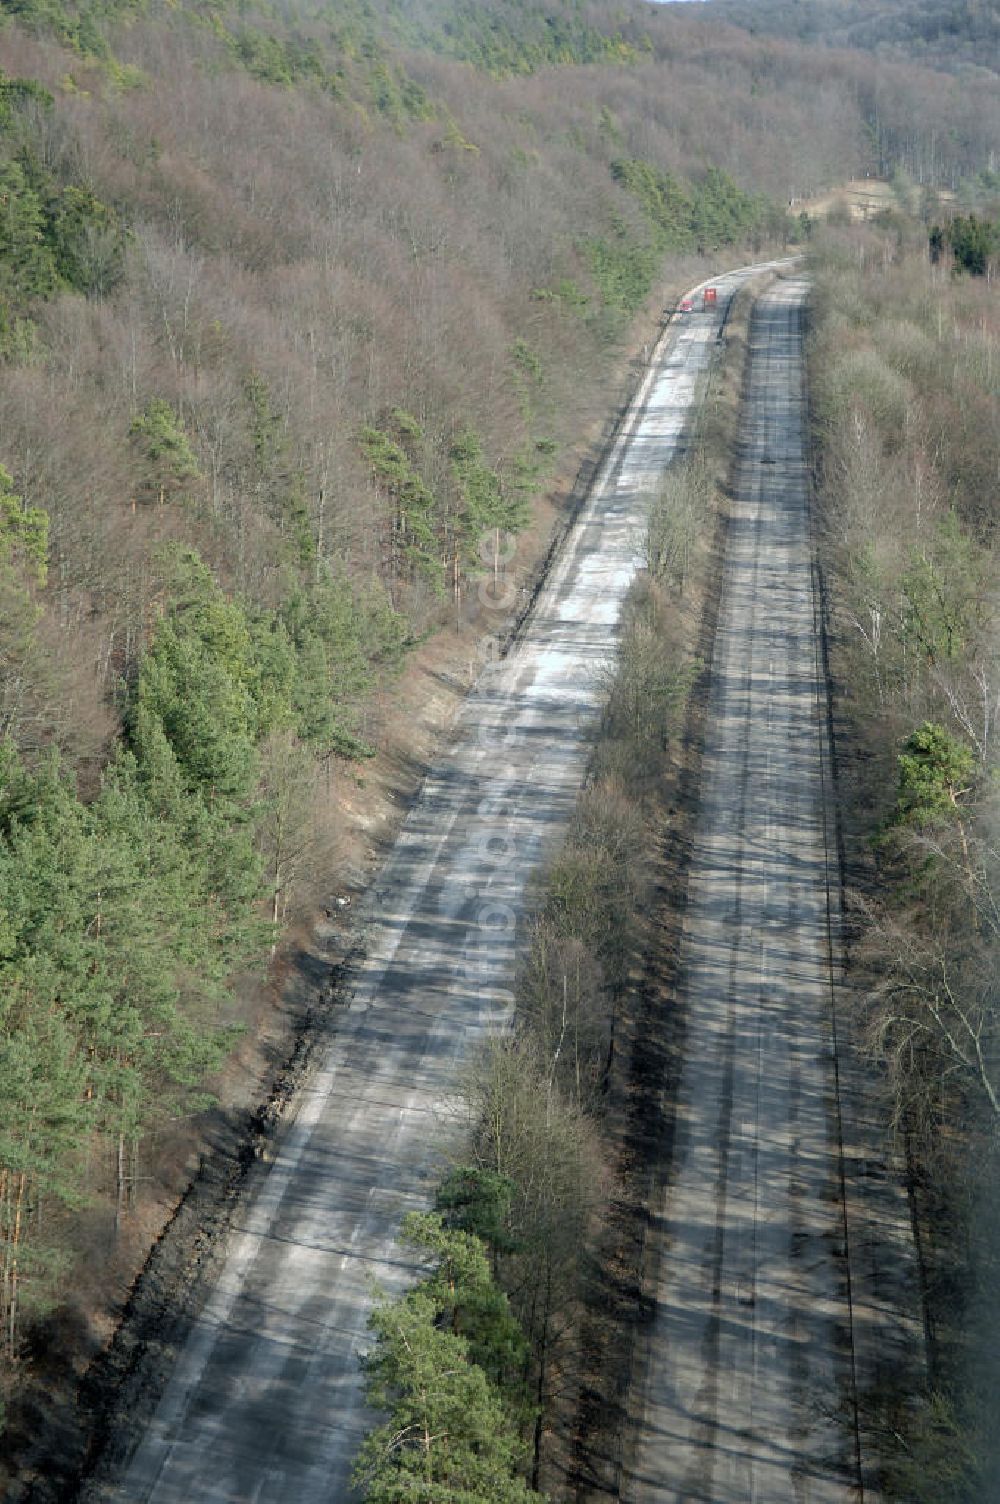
[(294, 307), (905, 385)]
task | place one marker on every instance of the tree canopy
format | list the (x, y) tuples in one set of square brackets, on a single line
[(445, 1364)]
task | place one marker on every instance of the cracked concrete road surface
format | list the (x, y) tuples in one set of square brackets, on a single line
[(747, 1387), (264, 1402)]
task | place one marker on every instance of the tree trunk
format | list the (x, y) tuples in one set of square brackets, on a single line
[(275, 909), (132, 1176), (15, 1239), (120, 1182), (536, 1459), (5, 1235)]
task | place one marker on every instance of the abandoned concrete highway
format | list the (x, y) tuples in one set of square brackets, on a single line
[(265, 1401)]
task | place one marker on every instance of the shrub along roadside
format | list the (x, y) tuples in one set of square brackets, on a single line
[(446, 1366)]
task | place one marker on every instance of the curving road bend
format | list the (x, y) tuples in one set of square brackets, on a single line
[(747, 1391), (264, 1405)]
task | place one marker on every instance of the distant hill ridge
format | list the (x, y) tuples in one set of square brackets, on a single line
[(950, 34)]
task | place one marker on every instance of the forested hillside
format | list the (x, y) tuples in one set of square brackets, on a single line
[(294, 309)]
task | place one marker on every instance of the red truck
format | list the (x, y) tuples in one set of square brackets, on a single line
[(710, 297)]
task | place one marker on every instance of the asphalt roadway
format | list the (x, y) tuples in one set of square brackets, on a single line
[(747, 1391), (265, 1403)]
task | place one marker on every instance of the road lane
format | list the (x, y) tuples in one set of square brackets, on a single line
[(746, 1392), (265, 1403)]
